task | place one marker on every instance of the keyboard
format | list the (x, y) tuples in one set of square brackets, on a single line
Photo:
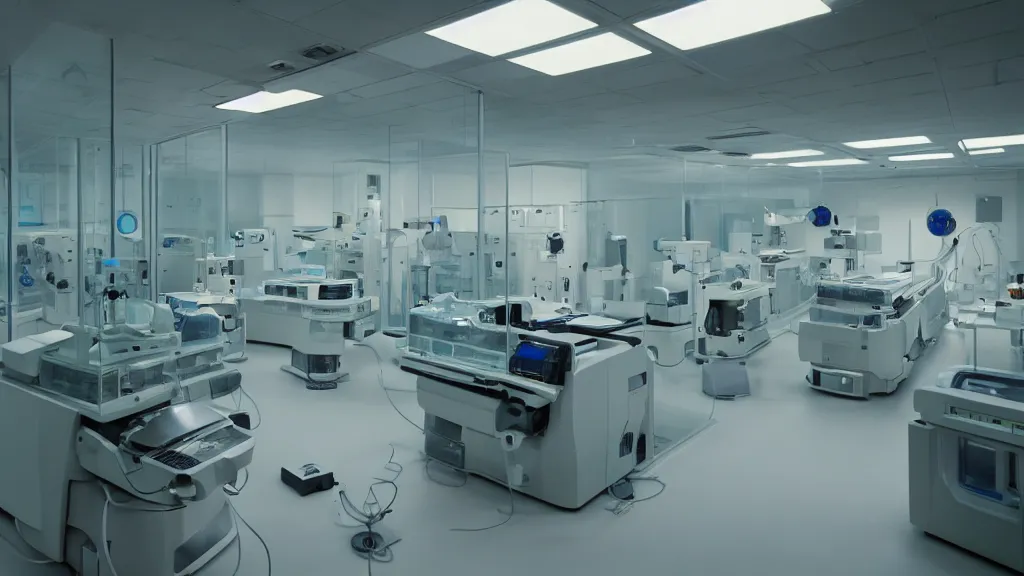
[(176, 460)]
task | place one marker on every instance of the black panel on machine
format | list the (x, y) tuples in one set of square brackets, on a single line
[(335, 291), (515, 415)]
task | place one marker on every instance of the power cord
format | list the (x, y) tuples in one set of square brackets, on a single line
[(466, 473), (426, 470), (511, 503), (380, 381), (255, 406), (370, 544), (625, 504), (266, 549), (235, 491), (107, 503)]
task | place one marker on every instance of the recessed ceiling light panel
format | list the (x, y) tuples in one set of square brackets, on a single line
[(992, 142), (890, 142), (986, 151), (266, 101), (920, 157), (513, 26), (786, 154), (713, 21), (826, 163), (583, 54)]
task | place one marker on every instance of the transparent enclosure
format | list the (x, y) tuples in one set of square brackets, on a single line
[(6, 270), (67, 184), (189, 207)]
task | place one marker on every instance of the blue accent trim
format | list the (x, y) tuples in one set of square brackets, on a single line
[(991, 495)]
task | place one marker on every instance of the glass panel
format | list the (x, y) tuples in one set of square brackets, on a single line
[(978, 469), (189, 204), (63, 178), (6, 271), (130, 212)]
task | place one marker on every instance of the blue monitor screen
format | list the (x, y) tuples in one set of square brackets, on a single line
[(528, 351)]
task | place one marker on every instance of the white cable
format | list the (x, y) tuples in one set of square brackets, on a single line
[(103, 536)]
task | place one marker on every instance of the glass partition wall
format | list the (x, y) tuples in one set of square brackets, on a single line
[(6, 286), (61, 180)]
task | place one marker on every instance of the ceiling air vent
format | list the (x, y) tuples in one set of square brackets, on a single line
[(281, 67), (736, 154), (689, 148), (320, 52), (735, 135)]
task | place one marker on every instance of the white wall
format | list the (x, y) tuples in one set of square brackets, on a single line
[(902, 205), (546, 185)]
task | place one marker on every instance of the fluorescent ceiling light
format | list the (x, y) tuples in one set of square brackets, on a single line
[(786, 154), (714, 21), (513, 26), (266, 101), (919, 157), (993, 142), (986, 151), (890, 142), (824, 163), (582, 54)]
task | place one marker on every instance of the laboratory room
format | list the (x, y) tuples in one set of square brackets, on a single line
[(396, 287)]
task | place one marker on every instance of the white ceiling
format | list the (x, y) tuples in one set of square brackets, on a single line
[(948, 69)]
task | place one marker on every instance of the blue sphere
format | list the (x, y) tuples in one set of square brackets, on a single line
[(820, 217), (941, 223)]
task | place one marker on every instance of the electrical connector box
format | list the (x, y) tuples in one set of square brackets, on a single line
[(308, 479)]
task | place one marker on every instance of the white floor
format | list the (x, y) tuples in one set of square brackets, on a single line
[(787, 481)]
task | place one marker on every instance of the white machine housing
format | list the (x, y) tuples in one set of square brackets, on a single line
[(966, 450), (735, 322), (864, 333), (561, 429), (178, 457), (313, 317), (225, 306)]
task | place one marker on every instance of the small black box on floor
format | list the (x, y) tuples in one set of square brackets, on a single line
[(725, 379), (307, 479)]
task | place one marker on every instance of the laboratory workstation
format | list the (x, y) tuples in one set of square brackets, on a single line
[(566, 286)]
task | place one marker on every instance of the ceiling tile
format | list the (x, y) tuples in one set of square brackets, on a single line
[(290, 10), (630, 8), (420, 51), (977, 22), (353, 28), (1011, 70), (399, 84), (988, 49), (637, 73), (748, 51), (852, 25), (493, 73)]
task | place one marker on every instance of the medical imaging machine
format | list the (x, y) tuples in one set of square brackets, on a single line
[(566, 415), (966, 450), (115, 442), (674, 301), (313, 315), (864, 333)]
